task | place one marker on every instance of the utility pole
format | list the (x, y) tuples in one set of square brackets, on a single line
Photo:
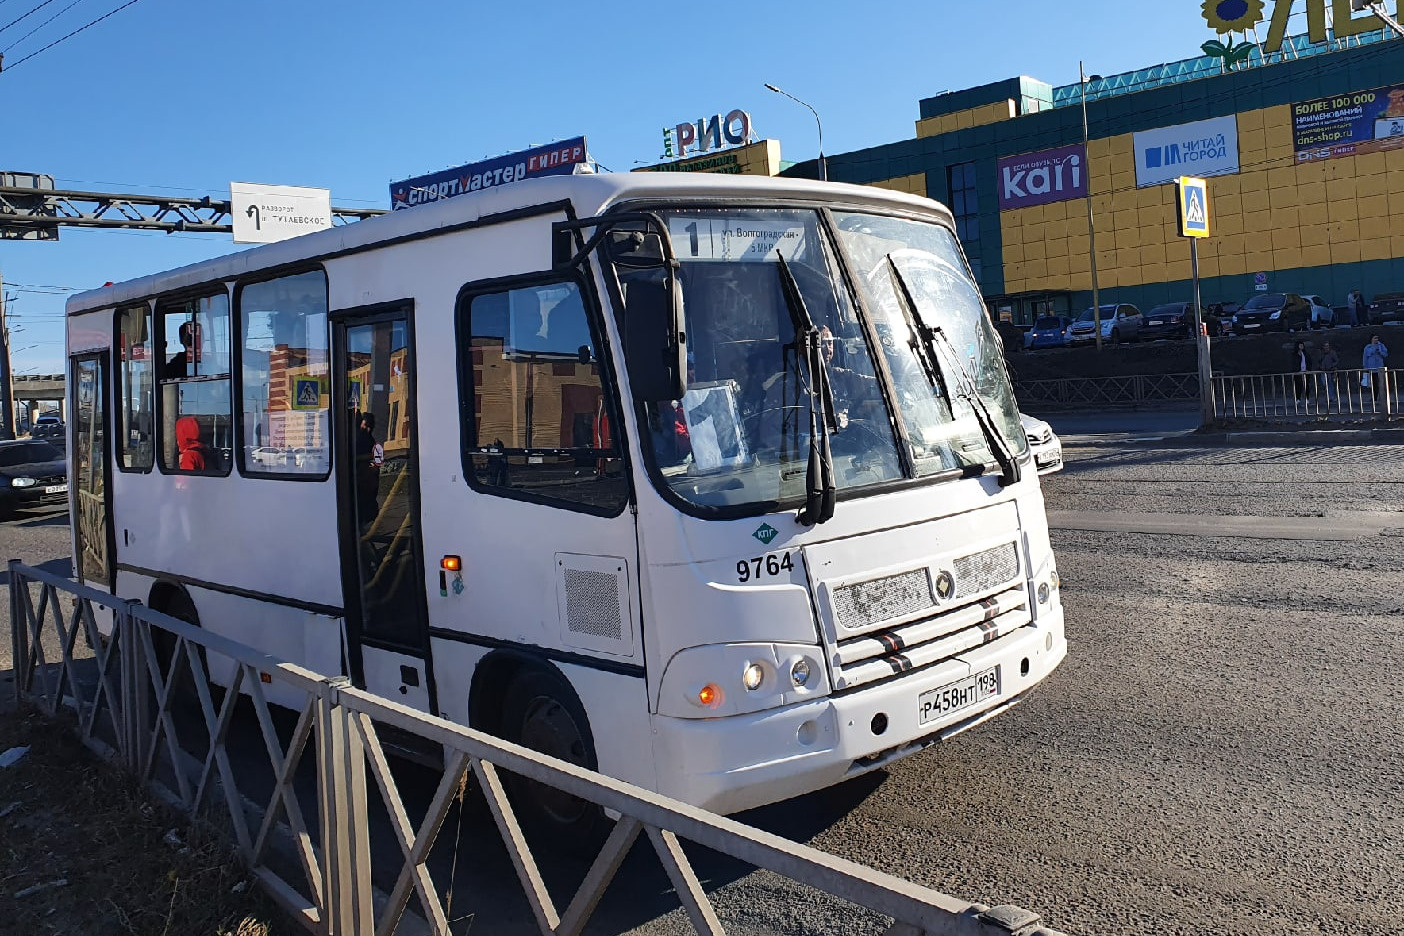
[(1082, 79), (7, 400)]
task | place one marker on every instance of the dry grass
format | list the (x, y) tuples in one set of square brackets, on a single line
[(85, 852)]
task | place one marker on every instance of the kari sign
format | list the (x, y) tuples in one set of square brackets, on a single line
[(553, 159), (1204, 148), (1040, 178), (1347, 124)]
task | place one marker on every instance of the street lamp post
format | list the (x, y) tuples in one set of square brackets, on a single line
[(823, 170), (1083, 78)]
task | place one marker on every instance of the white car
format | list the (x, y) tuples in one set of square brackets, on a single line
[(1322, 314), (1044, 443)]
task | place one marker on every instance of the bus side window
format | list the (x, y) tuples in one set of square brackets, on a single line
[(284, 393), (196, 419), (539, 420), (135, 373)]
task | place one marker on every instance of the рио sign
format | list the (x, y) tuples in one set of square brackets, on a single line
[(1042, 178), (709, 132)]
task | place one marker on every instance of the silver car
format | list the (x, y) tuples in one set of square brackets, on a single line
[(1044, 443)]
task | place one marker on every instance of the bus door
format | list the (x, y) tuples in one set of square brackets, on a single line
[(91, 492), (378, 495)]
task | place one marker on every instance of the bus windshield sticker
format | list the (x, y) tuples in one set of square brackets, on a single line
[(745, 240)]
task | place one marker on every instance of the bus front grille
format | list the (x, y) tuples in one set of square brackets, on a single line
[(881, 599), (981, 571), (894, 651)]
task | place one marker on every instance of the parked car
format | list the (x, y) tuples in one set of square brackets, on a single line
[(1387, 307), (1047, 449), (1322, 315), (1049, 331), (1171, 320), (33, 473), (1218, 318), (49, 427), (1120, 322), (1011, 335), (1272, 312)]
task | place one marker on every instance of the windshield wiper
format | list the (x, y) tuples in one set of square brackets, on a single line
[(932, 337), (821, 485)]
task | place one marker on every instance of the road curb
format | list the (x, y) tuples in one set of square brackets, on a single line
[(1297, 437)]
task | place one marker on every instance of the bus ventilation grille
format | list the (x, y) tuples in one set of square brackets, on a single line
[(882, 599), (592, 604), (981, 571)]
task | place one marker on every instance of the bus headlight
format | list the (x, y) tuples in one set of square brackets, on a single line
[(752, 677), (735, 679)]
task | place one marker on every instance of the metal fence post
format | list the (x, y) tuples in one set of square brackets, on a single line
[(136, 694), (341, 802), (19, 633)]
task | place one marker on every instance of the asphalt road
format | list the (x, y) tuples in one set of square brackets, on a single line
[(1220, 753)]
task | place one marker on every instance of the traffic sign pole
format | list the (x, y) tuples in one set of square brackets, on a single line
[(1192, 199), (1206, 374)]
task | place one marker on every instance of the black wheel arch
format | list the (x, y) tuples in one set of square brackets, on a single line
[(493, 677)]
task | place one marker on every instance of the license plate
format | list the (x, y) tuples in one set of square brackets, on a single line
[(935, 703), (56, 489), (1155, 322)]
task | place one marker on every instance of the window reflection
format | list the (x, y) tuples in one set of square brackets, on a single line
[(285, 391), (541, 423)]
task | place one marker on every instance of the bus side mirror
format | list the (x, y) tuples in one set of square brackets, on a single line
[(636, 250), (562, 247), (654, 338)]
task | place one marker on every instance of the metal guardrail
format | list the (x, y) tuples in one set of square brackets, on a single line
[(126, 711), (1320, 394), (1101, 391)]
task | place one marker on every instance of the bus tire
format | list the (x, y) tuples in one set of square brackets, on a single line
[(176, 602), (541, 712)]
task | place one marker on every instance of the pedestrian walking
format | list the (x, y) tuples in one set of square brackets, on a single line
[(1328, 364), (1301, 363), (1372, 361), (1359, 311)]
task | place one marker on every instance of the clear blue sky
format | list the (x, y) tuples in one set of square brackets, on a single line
[(181, 98)]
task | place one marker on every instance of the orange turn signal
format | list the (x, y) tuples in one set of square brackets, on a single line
[(451, 564), (709, 696)]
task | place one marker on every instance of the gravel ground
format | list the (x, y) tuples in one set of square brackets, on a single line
[(1219, 754)]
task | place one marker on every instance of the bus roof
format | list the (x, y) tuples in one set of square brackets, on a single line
[(590, 194)]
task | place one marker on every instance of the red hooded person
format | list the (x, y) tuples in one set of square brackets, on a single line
[(192, 450)]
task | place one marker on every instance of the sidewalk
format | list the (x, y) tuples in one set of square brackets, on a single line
[(1182, 427)]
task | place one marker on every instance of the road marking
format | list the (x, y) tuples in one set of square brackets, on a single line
[(1352, 526)]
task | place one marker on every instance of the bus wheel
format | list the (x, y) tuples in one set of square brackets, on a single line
[(541, 712), (177, 604)]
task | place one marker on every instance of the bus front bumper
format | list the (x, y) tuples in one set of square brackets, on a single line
[(730, 764)]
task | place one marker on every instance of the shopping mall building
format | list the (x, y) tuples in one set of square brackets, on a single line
[(1303, 180)]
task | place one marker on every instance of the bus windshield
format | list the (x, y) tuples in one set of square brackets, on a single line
[(739, 437)]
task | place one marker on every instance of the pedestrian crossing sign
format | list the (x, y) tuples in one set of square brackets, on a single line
[(307, 393), (1194, 207)]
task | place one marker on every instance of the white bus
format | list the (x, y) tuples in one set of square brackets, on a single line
[(714, 484)]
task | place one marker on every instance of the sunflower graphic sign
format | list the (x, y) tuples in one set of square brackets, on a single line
[(1231, 16), (1241, 16)]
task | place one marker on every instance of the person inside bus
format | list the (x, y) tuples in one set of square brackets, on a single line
[(194, 455), (182, 362), (851, 389), (369, 457)]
